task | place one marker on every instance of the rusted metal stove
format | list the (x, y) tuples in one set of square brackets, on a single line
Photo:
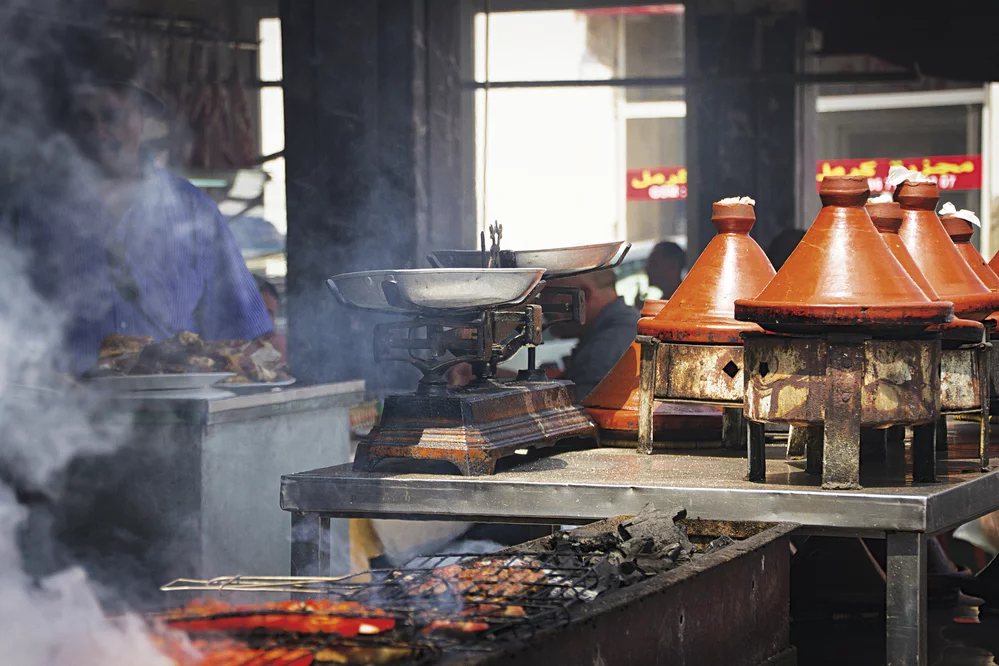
[(960, 228), (615, 402), (846, 346), (691, 351), (965, 363)]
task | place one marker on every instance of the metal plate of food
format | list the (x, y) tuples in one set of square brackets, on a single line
[(165, 382), (558, 262), (413, 290)]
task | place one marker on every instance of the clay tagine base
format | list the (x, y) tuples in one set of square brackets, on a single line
[(614, 406)]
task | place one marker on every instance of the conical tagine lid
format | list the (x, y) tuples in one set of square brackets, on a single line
[(887, 218), (842, 275), (613, 405), (960, 226), (937, 256), (732, 266)]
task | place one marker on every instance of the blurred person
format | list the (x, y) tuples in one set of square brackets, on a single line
[(665, 268), (782, 245), (609, 329), (272, 301), (116, 243)]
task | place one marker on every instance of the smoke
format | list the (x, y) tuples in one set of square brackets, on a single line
[(49, 612)]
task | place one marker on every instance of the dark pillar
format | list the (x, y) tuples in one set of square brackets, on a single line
[(741, 110), (361, 130)]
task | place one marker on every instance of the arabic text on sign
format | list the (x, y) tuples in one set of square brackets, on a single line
[(650, 179)]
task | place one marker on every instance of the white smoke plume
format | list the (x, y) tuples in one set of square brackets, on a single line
[(49, 615)]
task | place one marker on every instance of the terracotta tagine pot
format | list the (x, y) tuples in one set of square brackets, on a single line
[(652, 307), (732, 266), (936, 254), (613, 404), (887, 218), (843, 276), (960, 232)]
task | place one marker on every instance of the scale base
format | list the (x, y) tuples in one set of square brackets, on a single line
[(472, 428)]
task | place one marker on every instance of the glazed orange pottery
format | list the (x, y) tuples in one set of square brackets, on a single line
[(937, 256), (652, 307), (613, 404), (960, 232), (887, 218), (842, 275), (732, 266)]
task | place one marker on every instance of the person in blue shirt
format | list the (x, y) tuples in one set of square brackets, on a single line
[(119, 245)]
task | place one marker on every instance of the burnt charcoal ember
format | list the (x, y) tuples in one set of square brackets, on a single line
[(670, 539), (719, 543)]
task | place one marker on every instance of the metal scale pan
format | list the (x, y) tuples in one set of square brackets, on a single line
[(415, 291), (558, 262)]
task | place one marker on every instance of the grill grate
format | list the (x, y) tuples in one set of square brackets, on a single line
[(448, 602)]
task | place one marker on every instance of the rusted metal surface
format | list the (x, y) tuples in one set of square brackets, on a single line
[(844, 412), (674, 617), (960, 388), (700, 373), (474, 428), (787, 380), (831, 387)]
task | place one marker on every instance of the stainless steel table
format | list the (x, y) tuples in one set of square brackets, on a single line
[(581, 486)]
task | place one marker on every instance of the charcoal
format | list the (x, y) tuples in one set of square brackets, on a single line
[(719, 543), (662, 528)]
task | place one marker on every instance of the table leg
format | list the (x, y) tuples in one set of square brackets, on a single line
[(906, 599), (310, 544)]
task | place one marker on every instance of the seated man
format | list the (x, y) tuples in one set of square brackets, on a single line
[(609, 329)]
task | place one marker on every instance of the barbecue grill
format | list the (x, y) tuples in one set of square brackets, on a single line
[(473, 308), (847, 344), (578, 591)]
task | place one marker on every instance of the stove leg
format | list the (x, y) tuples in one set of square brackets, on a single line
[(941, 426), (796, 443), (906, 599), (841, 428), (310, 544), (647, 371), (924, 452), (733, 429), (756, 451), (895, 452), (813, 435)]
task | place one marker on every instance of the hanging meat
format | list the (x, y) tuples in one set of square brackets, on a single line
[(204, 72), (242, 148), (218, 134)]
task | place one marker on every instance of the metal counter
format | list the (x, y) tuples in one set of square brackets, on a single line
[(585, 485), (192, 492)]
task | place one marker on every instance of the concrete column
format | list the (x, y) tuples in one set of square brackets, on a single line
[(741, 112), (371, 110)]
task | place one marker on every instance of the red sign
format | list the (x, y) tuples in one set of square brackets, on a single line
[(642, 9), (657, 184), (949, 172)]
